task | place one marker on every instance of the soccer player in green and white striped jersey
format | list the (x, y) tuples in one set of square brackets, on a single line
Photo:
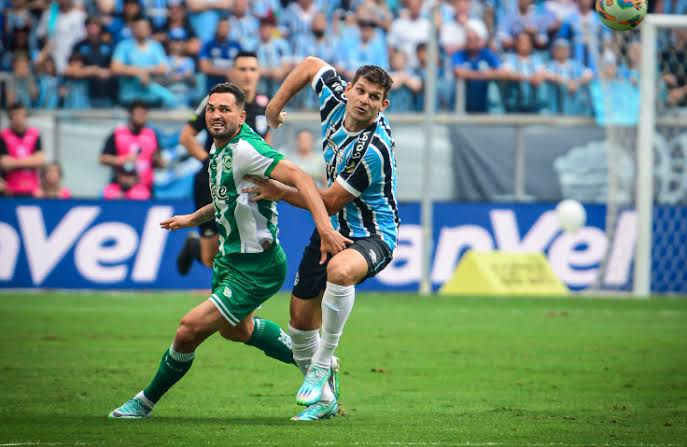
[(251, 265)]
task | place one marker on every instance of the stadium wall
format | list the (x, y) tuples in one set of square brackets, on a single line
[(91, 244)]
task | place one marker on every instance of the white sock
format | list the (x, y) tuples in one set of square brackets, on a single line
[(303, 345), (337, 304), (142, 397)]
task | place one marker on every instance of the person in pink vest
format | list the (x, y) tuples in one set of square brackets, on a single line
[(127, 185), (134, 143), (21, 153), (51, 183)]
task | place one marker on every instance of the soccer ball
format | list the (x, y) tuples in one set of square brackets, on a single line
[(571, 215), (621, 15)]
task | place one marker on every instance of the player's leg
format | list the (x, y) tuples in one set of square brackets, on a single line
[(197, 325), (251, 280), (364, 258)]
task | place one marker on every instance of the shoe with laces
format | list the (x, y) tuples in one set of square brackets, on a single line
[(317, 411), (133, 408), (311, 390)]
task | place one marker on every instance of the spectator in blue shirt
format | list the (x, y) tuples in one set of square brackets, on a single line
[(476, 65), (318, 43), (275, 57), (368, 48), (217, 56), (244, 27), (568, 82), (405, 86), (96, 55), (535, 20), (48, 83), (205, 16), (178, 24), (297, 18), (138, 61), (586, 34), (524, 74), (75, 83), (119, 27), (181, 78)]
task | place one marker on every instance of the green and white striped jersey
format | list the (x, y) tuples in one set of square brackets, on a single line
[(243, 226)]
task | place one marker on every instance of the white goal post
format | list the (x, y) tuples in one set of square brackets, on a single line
[(644, 201)]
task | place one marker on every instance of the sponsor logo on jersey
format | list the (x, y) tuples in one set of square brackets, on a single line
[(226, 163), (227, 292)]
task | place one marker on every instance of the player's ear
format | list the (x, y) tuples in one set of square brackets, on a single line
[(243, 116), (385, 104)]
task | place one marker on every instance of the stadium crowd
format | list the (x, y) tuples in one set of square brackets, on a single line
[(521, 56)]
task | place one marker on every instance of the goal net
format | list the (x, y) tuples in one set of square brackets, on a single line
[(641, 101)]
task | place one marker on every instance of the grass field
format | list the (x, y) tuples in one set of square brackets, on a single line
[(439, 371)]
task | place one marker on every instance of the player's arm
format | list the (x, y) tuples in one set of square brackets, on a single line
[(289, 174), (187, 138), (302, 75), (201, 215), (334, 197)]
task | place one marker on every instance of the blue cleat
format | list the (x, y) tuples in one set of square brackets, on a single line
[(317, 411), (132, 409), (311, 391)]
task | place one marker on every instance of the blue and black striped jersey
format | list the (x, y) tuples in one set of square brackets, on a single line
[(363, 163)]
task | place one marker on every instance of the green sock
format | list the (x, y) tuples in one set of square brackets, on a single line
[(173, 366), (270, 339)]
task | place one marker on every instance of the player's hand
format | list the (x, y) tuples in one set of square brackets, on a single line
[(332, 242), (264, 189), (177, 222), (275, 118)]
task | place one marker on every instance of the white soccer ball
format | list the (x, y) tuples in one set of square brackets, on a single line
[(571, 215)]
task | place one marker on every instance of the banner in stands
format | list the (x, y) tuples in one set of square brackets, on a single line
[(119, 245)]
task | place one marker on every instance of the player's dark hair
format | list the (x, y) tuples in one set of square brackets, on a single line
[(376, 75), (17, 105), (242, 53), (228, 87)]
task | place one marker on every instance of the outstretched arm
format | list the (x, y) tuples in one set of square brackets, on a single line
[(302, 75), (202, 215)]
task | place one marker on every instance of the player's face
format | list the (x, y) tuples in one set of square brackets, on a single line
[(365, 100), (246, 73), (223, 116)]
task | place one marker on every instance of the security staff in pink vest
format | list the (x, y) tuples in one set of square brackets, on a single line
[(21, 154), (134, 143)]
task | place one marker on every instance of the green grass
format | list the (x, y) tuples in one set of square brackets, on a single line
[(439, 371)]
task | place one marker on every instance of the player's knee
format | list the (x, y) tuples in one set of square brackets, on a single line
[(239, 334), (340, 272), (188, 333)]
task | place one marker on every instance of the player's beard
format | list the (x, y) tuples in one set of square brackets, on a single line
[(228, 131)]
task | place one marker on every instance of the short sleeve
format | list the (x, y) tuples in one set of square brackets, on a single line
[(255, 158), (39, 144), (197, 120), (329, 88), (109, 148), (3, 147)]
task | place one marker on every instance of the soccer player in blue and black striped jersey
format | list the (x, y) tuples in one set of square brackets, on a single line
[(361, 198)]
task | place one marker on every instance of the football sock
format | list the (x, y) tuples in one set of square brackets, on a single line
[(337, 303), (304, 344), (173, 366), (193, 247), (270, 339)]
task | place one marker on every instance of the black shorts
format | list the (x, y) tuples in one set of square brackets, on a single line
[(202, 197), (311, 278)]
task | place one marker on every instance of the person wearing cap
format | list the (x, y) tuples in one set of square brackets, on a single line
[(133, 144), (567, 78)]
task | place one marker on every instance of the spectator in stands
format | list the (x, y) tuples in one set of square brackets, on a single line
[(275, 57), (126, 185), (308, 159), (670, 6), (405, 86), (205, 16), (177, 24), (120, 27), (21, 85), (18, 42), (264, 8), (96, 55), (380, 12), (318, 43), (181, 78), (367, 48), (409, 30), (51, 183), (133, 144), (297, 19), (244, 26), (61, 26), (452, 31), (534, 19), (674, 69), (568, 82), (21, 153), (476, 65), (524, 73), (586, 34), (49, 95), (75, 83), (18, 16), (218, 54), (445, 94), (615, 98), (137, 61)]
